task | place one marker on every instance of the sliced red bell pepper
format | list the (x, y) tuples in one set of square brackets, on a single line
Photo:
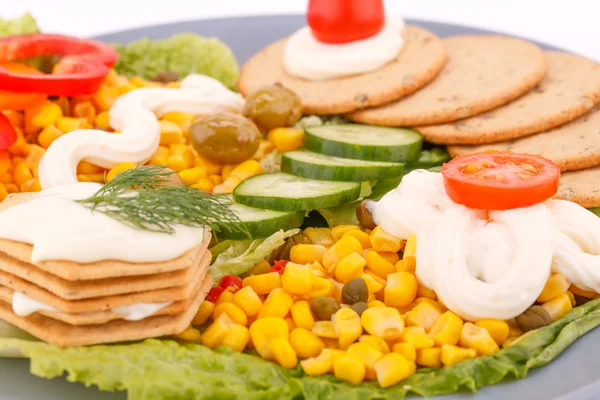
[(20, 101), (214, 294), (81, 70), (279, 266), (231, 282), (8, 135)]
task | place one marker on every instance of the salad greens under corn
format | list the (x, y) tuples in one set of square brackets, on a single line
[(158, 369)]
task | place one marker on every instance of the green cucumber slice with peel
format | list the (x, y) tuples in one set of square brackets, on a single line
[(319, 166), (364, 142), (260, 223), (285, 192)]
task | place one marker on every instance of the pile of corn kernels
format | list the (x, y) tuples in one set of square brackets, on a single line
[(304, 310)]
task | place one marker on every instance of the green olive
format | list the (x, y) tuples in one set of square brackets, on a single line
[(363, 215), (355, 291), (534, 317), (360, 307), (324, 307), (283, 251), (166, 77), (225, 138), (273, 107)]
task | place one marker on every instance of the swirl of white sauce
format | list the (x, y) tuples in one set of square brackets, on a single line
[(135, 115), (306, 57)]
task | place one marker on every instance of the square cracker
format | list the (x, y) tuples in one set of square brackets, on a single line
[(77, 290), (73, 271), (107, 302), (64, 335)]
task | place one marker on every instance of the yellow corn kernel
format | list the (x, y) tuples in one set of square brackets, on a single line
[(373, 285), (160, 156), (3, 192), (186, 153), (302, 315), (237, 338), (45, 114), (247, 299), (379, 265), (265, 147), (277, 304), (86, 168), (192, 175), (21, 173), (290, 322), (423, 291), (406, 349), (389, 256), (215, 179), (184, 120), (98, 178), (349, 267), (11, 188), (320, 236), (34, 156), (30, 185), (349, 368), (217, 331), (588, 294), (410, 252), (283, 353), (170, 133), (6, 178), (347, 325), (430, 357), (305, 343), (431, 302), (297, 279), (383, 241), (105, 97), (16, 118), (368, 354), (375, 341), (416, 336), (557, 307), (497, 329), (453, 354), (570, 294), (190, 335), (247, 169), (225, 297), (203, 184), (478, 338), (323, 287), (446, 329), (376, 303), (318, 270), (68, 124), (48, 135), (307, 253), (85, 110), (19, 148), (264, 330), (287, 139), (204, 312), (235, 312), (118, 169), (320, 365), (212, 168), (361, 236), (384, 322), (228, 185), (513, 328), (226, 171), (423, 314), (324, 329), (392, 368), (555, 285), (401, 289), (102, 120), (330, 343), (337, 232)]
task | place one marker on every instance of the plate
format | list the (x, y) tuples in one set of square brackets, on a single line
[(574, 375)]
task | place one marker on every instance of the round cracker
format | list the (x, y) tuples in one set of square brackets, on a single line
[(571, 88), (420, 60), (573, 146), (482, 72), (581, 187)]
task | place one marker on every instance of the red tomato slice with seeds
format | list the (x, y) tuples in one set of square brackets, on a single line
[(500, 180)]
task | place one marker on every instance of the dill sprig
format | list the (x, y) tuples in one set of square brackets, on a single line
[(140, 198)]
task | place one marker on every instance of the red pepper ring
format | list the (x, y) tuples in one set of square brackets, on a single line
[(8, 134), (81, 70)]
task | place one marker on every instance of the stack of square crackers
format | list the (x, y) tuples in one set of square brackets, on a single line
[(85, 304)]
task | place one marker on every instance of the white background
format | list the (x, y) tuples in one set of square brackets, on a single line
[(570, 24)]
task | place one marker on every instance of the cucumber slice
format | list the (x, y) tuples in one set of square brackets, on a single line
[(364, 142), (319, 166), (285, 192), (261, 223)]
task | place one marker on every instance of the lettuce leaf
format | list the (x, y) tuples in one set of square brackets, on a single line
[(236, 257), (184, 53), (18, 26), (156, 369)]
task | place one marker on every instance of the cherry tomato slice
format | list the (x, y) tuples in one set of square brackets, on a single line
[(279, 266), (214, 294), (344, 21), (231, 282), (500, 180), (20, 101)]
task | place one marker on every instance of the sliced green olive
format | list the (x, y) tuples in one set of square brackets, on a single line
[(355, 291), (363, 215), (324, 307), (533, 318), (359, 307), (273, 107)]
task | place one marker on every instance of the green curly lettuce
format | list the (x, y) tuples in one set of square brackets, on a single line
[(18, 26), (158, 369), (184, 53)]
